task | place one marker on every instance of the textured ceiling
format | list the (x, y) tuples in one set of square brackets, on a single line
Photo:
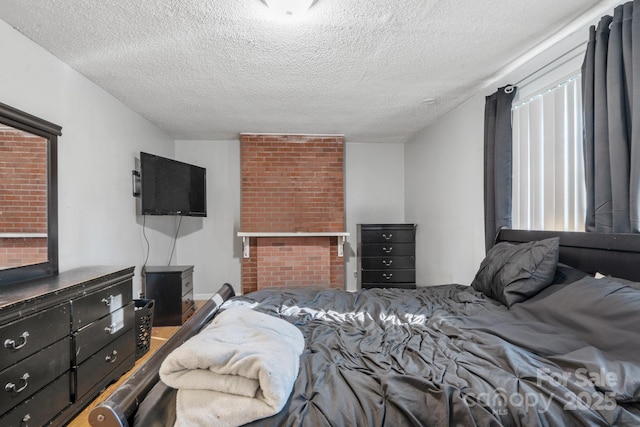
[(373, 70)]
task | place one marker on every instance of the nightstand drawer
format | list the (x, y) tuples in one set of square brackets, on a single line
[(187, 284), (389, 263), (388, 276), (188, 312), (387, 249)]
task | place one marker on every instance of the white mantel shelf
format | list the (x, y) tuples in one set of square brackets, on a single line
[(246, 235)]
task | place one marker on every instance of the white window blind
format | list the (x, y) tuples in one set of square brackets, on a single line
[(548, 167)]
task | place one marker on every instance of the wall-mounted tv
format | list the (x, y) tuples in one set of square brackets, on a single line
[(170, 187)]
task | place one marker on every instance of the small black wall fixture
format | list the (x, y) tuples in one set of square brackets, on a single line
[(135, 183)]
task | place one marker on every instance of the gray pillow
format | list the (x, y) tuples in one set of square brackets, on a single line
[(511, 273), (566, 274)]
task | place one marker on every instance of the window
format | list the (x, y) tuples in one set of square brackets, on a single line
[(548, 168)]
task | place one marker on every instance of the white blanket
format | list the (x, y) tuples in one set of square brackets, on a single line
[(238, 369)]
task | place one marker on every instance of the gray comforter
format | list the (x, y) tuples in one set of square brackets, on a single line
[(448, 355)]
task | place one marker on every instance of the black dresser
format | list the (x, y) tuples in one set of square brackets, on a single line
[(172, 289), (386, 256), (63, 339)]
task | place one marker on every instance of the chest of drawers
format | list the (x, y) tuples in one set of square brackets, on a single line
[(172, 289), (386, 256), (63, 339)]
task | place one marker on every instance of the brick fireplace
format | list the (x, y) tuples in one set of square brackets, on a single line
[(292, 210)]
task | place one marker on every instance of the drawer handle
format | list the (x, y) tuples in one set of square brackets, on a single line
[(9, 343), (11, 387), (111, 357), (387, 263), (387, 276), (187, 284), (387, 250), (26, 419), (387, 237), (111, 328), (108, 300)]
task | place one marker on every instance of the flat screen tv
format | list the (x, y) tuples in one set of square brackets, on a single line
[(170, 187)]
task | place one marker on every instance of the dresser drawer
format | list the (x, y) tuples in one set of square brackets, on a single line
[(389, 285), (388, 249), (26, 377), (101, 332), (26, 336), (104, 362), (388, 276), (96, 305), (42, 406), (388, 263), (401, 235)]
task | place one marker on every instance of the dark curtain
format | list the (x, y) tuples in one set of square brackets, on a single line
[(611, 104), (497, 162)]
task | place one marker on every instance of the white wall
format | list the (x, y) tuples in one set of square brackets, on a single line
[(444, 170), (445, 196), (210, 244), (375, 193), (100, 140)]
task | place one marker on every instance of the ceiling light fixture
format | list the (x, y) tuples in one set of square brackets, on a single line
[(289, 7)]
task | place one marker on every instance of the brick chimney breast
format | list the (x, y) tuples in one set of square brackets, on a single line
[(292, 184)]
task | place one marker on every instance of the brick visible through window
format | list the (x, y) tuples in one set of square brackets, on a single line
[(23, 196)]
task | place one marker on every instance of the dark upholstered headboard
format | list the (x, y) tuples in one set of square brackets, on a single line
[(607, 253)]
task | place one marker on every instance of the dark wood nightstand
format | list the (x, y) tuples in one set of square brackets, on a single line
[(172, 289)]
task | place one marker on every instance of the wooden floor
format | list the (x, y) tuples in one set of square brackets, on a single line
[(159, 335)]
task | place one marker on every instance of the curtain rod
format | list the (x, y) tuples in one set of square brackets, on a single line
[(581, 24), (550, 66)]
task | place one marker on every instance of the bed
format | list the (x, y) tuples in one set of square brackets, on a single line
[(558, 353)]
